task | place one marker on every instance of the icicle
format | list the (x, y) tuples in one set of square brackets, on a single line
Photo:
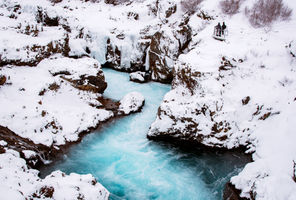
[(147, 63)]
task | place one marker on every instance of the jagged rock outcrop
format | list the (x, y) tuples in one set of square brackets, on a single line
[(231, 193), (161, 58), (90, 83), (165, 48), (34, 154), (93, 81), (113, 56)]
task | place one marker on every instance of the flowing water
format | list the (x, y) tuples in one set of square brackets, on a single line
[(131, 167)]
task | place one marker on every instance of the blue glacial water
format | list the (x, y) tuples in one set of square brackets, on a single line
[(131, 167)]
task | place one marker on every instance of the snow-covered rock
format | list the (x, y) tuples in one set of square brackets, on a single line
[(240, 92), (132, 102), (20, 182), (139, 77), (50, 103)]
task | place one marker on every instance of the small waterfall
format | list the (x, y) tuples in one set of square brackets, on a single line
[(147, 63)]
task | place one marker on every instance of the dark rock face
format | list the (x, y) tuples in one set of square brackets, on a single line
[(164, 50), (231, 193), (19, 144), (2, 80), (170, 11), (42, 17), (96, 84), (158, 59), (183, 35), (113, 56)]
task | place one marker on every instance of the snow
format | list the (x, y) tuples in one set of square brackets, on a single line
[(19, 182), (60, 114), (264, 70), (3, 143), (131, 102), (266, 74), (137, 76), (29, 154)]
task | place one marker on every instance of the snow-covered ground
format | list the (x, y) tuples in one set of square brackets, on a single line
[(225, 94), (19, 182), (239, 92), (46, 108)]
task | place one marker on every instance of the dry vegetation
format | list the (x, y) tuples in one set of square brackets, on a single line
[(190, 6), (265, 12), (230, 7)]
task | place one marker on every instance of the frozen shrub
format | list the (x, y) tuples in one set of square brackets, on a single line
[(264, 12), (190, 6), (230, 7)]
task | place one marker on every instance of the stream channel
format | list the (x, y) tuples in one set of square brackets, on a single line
[(132, 167)]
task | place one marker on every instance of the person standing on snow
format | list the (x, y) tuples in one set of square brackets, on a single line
[(223, 28), (218, 29)]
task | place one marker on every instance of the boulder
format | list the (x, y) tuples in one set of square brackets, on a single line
[(139, 77), (132, 102)]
